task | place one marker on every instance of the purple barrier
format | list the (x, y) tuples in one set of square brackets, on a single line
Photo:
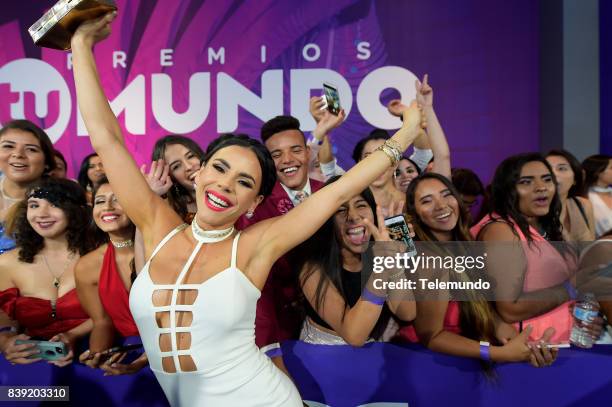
[(342, 376)]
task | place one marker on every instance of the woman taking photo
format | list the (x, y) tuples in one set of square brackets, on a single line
[(200, 356), (576, 212), (330, 276), (37, 288), (103, 280)]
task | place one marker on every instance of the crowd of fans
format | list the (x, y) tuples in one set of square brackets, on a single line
[(71, 253)]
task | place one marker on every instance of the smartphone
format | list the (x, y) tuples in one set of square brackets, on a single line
[(332, 98), (398, 230), (48, 350), (120, 349)]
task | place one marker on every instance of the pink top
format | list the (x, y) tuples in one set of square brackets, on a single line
[(546, 267)]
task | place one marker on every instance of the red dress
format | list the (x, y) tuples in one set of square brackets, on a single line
[(42, 318), (114, 296)]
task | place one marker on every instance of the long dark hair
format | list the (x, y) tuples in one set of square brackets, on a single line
[(104, 237), (578, 187), (593, 166), (83, 178), (423, 232), (477, 318), (70, 198), (323, 252), (178, 196), (504, 199), (45, 142)]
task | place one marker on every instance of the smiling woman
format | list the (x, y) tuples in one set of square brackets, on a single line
[(26, 153), (184, 158), (37, 295), (198, 356)]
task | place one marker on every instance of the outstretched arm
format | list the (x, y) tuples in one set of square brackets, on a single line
[(140, 203), (305, 219), (437, 140)]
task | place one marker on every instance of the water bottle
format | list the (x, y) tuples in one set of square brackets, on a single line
[(585, 311)]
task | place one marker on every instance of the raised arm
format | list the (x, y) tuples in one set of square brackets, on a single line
[(140, 203), (437, 140), (305, 219)]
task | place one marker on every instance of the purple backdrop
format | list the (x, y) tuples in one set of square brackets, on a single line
[(482, 57)]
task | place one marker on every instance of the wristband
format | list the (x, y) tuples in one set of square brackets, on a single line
[(571, 291), (7, 329), (314, 140), (368, 296), (485, 351)]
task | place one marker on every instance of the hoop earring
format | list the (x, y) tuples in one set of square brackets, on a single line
[(249, 214)]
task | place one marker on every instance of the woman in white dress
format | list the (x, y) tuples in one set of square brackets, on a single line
[(194, 301)]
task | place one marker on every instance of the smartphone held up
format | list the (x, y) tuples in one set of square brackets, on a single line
[(398, 230), (332, 98)]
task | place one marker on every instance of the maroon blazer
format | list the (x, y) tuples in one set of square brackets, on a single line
[(278, 317)]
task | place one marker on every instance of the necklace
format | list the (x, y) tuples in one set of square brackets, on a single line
[(209, 236), (56, 279), (121, 245), (601, 190), (5, 197)]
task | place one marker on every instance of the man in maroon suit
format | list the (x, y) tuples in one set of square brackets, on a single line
[(278, 317)]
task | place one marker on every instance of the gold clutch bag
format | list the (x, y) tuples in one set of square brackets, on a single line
[(56, 27)]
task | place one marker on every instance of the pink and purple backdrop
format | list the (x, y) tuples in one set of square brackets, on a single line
[(481, 55)]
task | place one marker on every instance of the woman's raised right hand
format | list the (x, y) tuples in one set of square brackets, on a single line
[(93, 31)]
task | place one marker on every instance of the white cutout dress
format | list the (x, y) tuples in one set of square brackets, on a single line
[(230, 369)]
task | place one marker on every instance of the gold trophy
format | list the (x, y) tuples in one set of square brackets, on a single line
[(56, 27)]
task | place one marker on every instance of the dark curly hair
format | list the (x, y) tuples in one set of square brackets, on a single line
[(504, 199), (268, 170), (178, 196), (70, 198)]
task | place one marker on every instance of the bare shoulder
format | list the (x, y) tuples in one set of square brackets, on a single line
[(586, 203), (9, 262), (498, 230), (88, 267), (251, 236)]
